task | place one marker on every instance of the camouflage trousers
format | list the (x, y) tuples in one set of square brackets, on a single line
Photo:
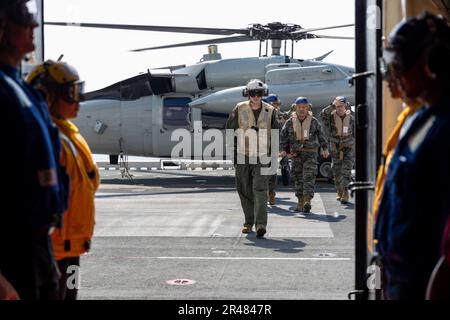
[(252, 188), (272, 183), (304, 172), (343, 161)]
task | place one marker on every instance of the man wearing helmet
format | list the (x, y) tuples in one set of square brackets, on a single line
[(36, 190), (301, 138), (61, 86), (415, 202), (253, 118), (275, 102), (339, 130)]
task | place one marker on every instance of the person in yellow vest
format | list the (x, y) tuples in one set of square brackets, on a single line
[(341, 139), (61, 85), (301, 138), (252, 122)]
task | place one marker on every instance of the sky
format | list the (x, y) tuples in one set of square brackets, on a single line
[(103, 57)]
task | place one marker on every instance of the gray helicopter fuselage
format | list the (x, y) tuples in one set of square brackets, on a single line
[(138, 115)]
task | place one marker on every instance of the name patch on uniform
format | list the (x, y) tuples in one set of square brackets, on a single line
[(345, 130)]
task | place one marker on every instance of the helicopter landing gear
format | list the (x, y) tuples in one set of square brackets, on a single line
[(114, 159)]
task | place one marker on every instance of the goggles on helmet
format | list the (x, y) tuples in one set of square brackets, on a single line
[(256, 93), (23, 13), (390, 65), (73, 92)]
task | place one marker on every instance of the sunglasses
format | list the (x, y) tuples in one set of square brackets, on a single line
[(24, 13), (256, 93)]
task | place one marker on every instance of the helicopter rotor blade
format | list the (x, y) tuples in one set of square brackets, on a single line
[(320, 29), (201, 42), (334, 37), (216, 31)]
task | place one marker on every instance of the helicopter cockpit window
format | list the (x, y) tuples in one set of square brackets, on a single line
[(176, 112)]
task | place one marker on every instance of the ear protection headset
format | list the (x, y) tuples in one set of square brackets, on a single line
[(425, 36), (256, 85)]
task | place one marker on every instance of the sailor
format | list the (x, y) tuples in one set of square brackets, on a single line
[(254, 120), (36, 184), (341, 137), (63, 89), (415, 203), (301, 138)]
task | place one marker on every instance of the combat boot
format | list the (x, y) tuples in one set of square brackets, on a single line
[(300, 204), (247, 229), (307, 204), (272, 198), (345, 197), (339, 195), (260, 231)]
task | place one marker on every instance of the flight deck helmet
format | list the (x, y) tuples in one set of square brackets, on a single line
[(426, 35), (303, 101), (56, 78), (272, 99), (21, 12), (255, 87)]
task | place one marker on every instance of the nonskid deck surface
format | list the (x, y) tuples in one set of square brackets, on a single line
[(169, 225)]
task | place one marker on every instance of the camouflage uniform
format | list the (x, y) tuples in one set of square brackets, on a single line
[(251, 185), (304, 166), (342, 141), (325, 117), (273, 179)]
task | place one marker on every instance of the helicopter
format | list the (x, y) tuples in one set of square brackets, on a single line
[(138, 116)]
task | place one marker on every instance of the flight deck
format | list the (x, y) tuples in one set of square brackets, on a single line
[(175, 234)]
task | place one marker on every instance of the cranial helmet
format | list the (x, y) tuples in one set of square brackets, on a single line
[(302, 100), (272, 98), (256, 86), (426, 34), (57, 78), (21, 12)]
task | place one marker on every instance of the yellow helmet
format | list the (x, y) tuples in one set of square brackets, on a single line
[(57, 78)]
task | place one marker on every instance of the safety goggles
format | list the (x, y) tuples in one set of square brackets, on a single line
[(256, 93), (23, 13), (73, 92)]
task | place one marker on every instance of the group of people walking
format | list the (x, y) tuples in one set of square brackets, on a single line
[(302, 138)]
